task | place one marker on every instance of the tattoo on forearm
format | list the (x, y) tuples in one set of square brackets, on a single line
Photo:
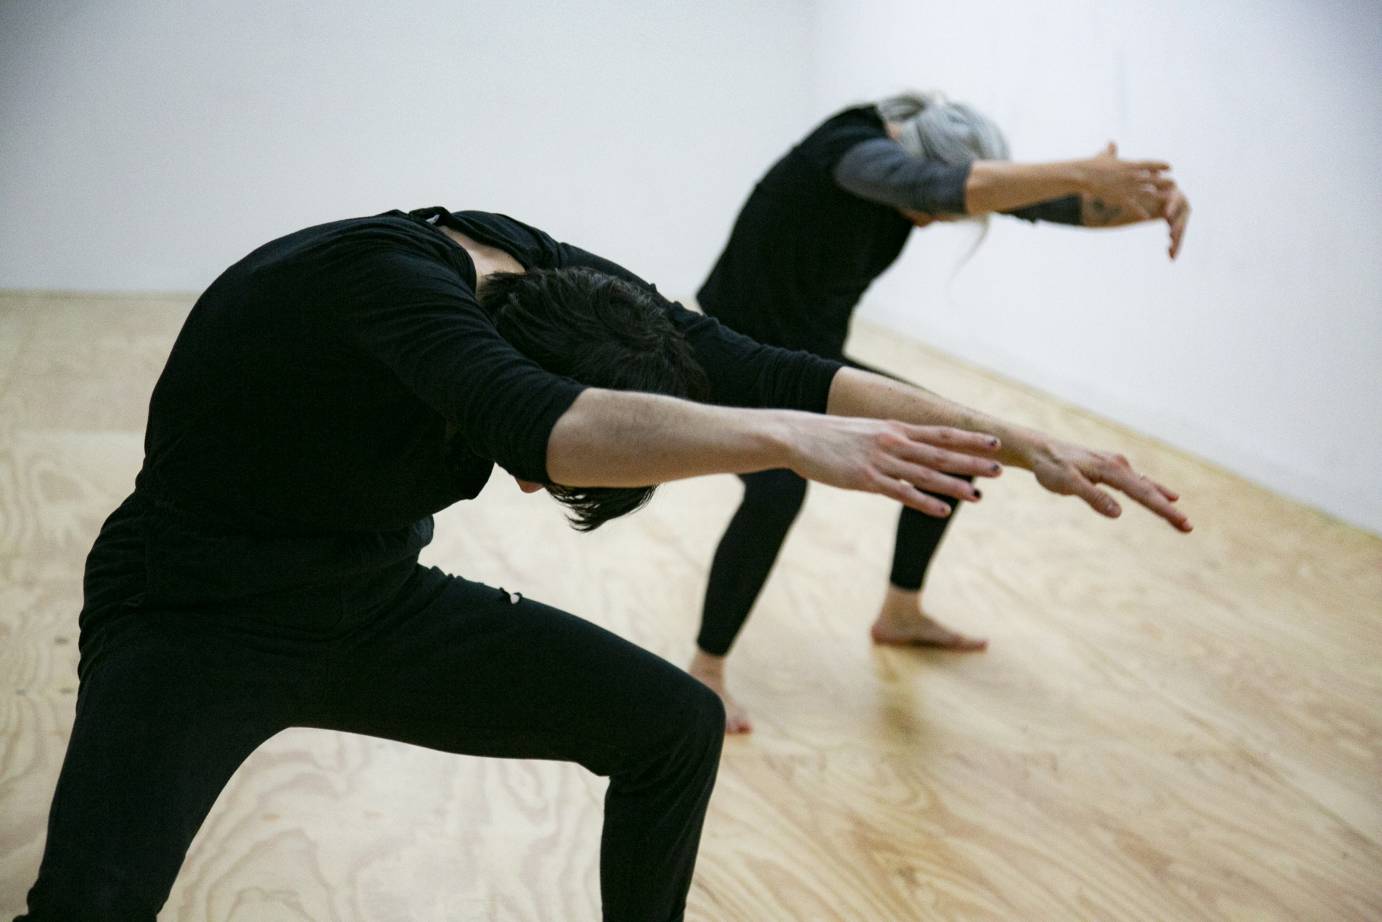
[(1097, 213)]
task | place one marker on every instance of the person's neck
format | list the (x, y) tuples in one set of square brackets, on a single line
[(487, 259)]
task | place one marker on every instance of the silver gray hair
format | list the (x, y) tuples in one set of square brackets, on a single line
[(933, 127)]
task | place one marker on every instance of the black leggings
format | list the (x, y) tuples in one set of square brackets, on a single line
[(755, 534), (171, 702)]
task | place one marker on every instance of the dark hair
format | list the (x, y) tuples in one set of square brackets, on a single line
[(602, 331)]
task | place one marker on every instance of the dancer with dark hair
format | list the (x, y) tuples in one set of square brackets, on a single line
[(828, 218), (328, 394)]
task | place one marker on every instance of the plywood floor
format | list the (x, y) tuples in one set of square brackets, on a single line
[(1163, 727)]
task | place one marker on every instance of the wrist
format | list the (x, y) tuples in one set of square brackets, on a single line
[(1077, 176), (776, 439), (1025, 449)]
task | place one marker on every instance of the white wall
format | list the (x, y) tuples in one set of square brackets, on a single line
[(1260, 347), (146, 145)]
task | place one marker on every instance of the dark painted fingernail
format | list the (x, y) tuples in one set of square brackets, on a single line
[(997, 468), (978, 494)]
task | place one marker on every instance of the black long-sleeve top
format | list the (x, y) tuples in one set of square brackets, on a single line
[(824, 223), (337, 386)]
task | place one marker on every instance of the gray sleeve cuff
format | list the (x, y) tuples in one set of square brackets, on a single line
[(1065, 210)]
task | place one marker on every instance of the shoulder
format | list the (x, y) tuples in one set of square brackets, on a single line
[(531, 246), (842, 131), (382, 261), (392, 235)]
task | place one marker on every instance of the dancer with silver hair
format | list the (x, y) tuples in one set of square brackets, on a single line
[(824, 222)]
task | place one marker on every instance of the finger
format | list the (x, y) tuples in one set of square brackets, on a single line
[(1156, 166), (929, 479), (1111, 149), (950, 462), (1177, 235), (1098, 500), (1177, 209), (1167, 492), (1145, 492), (1152, 202), (977, 443), (910, 496)]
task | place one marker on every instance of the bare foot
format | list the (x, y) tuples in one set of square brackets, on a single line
[(901, 622), (710, 670)]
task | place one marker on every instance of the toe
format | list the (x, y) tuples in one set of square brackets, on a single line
[(738, 724), (955, 641)]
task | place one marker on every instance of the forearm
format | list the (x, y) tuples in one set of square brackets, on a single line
[(626, 439), (999, 185), (861, 393)]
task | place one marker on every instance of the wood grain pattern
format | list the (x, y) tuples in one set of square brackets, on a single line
[(1163, 727)]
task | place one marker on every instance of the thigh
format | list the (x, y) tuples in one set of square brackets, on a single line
[(464, 667)]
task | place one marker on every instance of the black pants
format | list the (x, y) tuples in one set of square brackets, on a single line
[(749, 548), (172, 701)]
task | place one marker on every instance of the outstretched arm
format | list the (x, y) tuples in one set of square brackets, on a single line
[(1099, 191), (881, 170), (617, 438), (880, 436), (1058, 466), (1112, 192), (1135, 186)]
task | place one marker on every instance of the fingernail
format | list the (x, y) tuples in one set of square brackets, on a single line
[(993, 443), (978, 494), (997, 468)]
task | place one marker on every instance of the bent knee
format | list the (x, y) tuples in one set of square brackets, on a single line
[(693, 725), (705, 713)]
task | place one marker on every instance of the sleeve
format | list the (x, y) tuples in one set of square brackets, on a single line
[(418, 319), (1065, 210), (880, 170), (742, 371)]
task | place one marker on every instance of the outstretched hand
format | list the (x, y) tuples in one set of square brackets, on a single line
[(1073, 471), (1121, 192), (899, 460), (1132, 188)]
